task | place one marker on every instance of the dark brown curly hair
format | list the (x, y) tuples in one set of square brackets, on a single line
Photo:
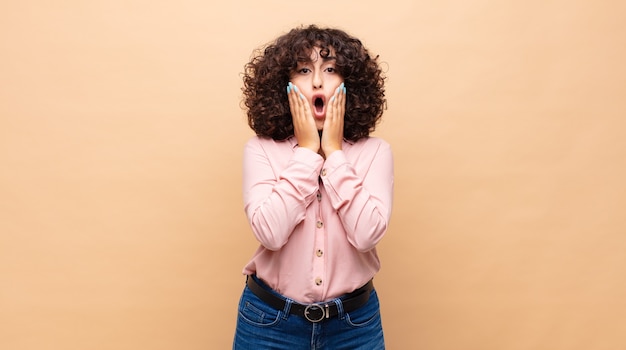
[(267, 74)]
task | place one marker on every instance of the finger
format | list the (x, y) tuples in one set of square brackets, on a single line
[(304, 106), (333, 104), (338, 103), (293, 102), (331, 107), (341, 101), (303, 109), (333, 125)]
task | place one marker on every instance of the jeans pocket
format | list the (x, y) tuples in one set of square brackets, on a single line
[(366, 315), (254, 311)]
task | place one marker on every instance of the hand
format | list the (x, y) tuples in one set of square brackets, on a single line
[(332, 136), (304, 128)]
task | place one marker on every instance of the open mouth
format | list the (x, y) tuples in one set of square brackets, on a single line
[(319, 105)]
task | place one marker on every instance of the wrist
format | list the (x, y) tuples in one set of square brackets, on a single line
[(311, 147), (329, 151)]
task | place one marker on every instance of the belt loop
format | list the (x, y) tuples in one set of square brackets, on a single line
[(340, 313), (287, 308)]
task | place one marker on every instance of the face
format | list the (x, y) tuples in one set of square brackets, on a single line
[(317, 80)]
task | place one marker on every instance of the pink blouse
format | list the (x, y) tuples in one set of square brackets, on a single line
[(317, 221)]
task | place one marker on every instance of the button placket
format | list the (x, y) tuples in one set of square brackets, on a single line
[(320, 241)]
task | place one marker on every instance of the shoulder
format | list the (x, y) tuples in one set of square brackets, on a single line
[(266, 141), (267, 144), (371, 143), (367, 150)]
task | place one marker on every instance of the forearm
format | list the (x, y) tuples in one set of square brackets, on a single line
[(363, 200), (276, 204)]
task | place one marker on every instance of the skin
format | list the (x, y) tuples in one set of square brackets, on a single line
[(318, 130)]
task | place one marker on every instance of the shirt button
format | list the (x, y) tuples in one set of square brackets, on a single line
[(319, 196), (318, 281), (324, 172), (319, 253), (320, 224)]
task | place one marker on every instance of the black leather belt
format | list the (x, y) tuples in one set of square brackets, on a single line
[(313, 312)]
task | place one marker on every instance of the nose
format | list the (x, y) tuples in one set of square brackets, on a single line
[(317, 80)]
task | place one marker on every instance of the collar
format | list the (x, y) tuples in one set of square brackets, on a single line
[(294, 143)]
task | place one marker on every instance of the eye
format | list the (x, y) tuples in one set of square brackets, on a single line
[(331, 70), (304, 70)]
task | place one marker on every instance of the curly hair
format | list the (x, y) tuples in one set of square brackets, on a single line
[(267, 75)]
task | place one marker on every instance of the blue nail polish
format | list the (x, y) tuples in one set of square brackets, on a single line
[(301, 95), (295, 88), (344, 90), (288, 88), (332, 98)]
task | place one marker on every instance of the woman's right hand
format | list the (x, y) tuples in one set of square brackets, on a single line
[(304, 127)]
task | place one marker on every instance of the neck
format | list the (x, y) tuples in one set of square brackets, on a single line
[(321, 152)]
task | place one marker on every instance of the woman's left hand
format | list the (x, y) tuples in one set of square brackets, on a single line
[(332, 136)]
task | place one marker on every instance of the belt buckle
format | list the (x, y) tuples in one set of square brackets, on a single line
[(315, 312)]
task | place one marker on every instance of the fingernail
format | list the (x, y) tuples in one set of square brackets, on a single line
[(332, 98), (344, 90), (301, 95), (295, 88), (288, 88)]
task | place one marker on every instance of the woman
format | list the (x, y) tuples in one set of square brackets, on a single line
[(318, 192)]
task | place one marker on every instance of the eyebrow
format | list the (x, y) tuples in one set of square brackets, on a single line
[(310, 61)]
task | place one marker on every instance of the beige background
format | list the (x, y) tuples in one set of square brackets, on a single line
[(121, 222)]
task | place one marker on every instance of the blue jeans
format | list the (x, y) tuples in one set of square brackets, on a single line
[(260, 327)]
